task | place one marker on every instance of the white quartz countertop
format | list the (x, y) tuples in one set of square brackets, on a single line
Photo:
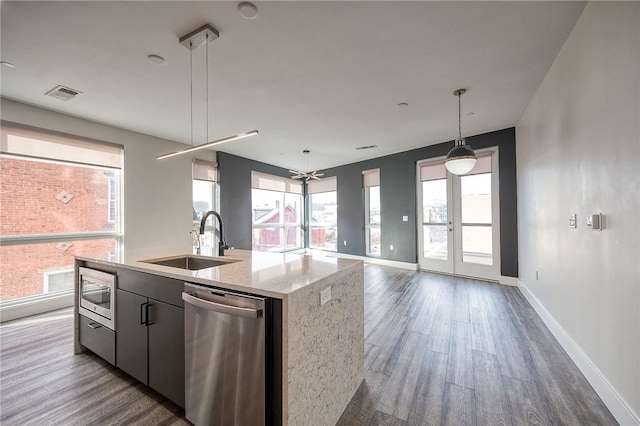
[(266, 274)]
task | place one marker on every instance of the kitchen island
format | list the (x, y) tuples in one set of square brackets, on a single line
[(320, 353)]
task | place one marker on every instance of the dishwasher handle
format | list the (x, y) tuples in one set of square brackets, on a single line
[(222, 308)]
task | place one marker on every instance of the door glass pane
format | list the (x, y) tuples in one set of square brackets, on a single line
[(434, 216), (434, 201), (435, 242), (476, 198), (477, 245)]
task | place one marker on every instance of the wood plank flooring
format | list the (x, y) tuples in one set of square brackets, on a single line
[(452, 351), (439, 351)]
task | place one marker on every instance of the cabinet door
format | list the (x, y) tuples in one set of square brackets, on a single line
[(166, 350), (131, 334)]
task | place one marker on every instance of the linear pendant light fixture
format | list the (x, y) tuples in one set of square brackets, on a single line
[(192, 41), (461, 159)]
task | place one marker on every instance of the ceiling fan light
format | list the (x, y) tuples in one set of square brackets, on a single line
[(461, 159)]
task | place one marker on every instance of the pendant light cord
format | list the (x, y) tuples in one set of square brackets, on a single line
[(459, 116), (191, 87), (207, 90)]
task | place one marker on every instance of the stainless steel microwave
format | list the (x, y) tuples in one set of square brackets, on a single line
[(97, 296)]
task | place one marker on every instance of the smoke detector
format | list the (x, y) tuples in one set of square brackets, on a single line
[(63, 93)]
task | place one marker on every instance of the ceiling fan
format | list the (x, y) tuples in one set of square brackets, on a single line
[(307, 176)]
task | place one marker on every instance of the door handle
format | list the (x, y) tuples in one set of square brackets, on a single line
[(93, 325), (148, 313), (143, 313), (219, 307)]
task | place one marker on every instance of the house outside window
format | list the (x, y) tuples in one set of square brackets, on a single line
[(277, 212), (371, 183), (323, 217), (60, 198)]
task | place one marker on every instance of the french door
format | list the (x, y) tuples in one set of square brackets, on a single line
[(459, 217)]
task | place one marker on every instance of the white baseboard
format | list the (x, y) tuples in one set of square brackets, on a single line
[(512, 281), (365, 259), (618, 407)]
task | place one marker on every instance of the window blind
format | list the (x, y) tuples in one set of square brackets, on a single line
[(204, 170), (371, 177), (325, 185), (34, 143), (432, 171), (275, 183)]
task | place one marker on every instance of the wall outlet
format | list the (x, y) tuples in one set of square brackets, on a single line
[(405, 218), (390, 246), (344, 243), (325, 296)]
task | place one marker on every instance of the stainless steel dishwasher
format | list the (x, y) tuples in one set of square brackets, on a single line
[(224, 356)]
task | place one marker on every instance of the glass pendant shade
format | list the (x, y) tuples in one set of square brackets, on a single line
[(461, 159)]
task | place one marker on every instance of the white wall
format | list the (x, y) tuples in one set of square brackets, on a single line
[(157, 194), (578, 151)]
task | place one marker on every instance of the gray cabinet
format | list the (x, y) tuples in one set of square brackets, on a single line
[(150, 334)]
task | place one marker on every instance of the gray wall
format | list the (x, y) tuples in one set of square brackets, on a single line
[(234, 176), (579, 152), (398, 198)]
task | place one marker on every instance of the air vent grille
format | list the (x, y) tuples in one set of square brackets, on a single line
[(359, 148), (63, 93)]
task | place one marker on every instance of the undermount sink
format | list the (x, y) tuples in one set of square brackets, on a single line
[(189, 262)]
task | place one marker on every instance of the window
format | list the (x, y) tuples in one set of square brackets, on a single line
[(323, 219), (371, 183), (60, 198), (277, 212), (204, 188), (58, 280)]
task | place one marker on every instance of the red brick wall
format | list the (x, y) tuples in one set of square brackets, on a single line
[(28, 205)]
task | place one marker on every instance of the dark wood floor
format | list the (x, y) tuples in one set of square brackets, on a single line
[(439, 350)]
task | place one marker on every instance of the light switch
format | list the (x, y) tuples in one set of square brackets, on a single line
[(405, 218), (390, 246), (572, 220)]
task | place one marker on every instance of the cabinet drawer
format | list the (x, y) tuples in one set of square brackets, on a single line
[(98, 339), (156, 287)]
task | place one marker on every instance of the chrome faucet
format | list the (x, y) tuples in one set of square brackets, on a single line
[(197, 237), (222, 246)]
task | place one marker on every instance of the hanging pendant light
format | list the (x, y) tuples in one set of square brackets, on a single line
[(307, 176), (461, 159), (193, 40)]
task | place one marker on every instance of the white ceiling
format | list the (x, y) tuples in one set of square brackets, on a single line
[(324, 76)]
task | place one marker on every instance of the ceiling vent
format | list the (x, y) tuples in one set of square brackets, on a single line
[(359, 148), (63, 93)]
